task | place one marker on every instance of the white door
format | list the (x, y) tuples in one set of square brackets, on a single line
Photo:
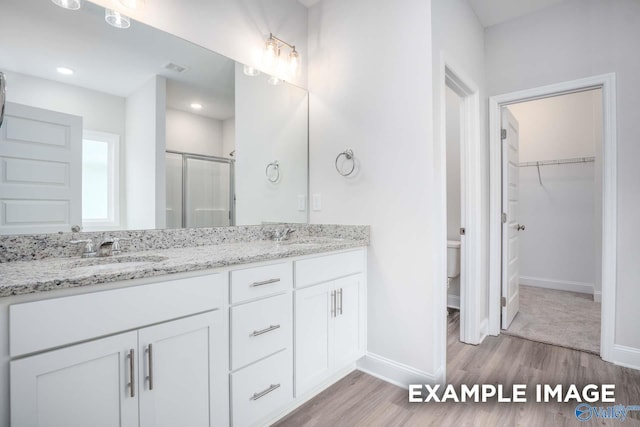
[(40, 171), (510, 225), (175, 374), (346, 329), (78, 386), (313, 323)]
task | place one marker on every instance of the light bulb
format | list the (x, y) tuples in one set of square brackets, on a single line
[(270, 52), (294, 62), (116, 19), (250, 71), (68, 4), (273, 80)]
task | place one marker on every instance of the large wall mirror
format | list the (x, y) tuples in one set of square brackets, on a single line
[(110, 128)]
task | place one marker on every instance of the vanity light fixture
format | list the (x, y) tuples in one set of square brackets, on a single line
[(272, 57), (65, 71), (250, 71), (116, 19), (196, 106), (68, 4)]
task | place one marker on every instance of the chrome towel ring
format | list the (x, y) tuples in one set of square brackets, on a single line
[(272, 171), (348, 154)]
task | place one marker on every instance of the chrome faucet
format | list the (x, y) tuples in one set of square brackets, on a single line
[(282, 234), (110, 247), (89, 249)]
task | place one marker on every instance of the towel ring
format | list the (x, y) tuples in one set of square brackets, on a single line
[(272, 171), (348, 154)]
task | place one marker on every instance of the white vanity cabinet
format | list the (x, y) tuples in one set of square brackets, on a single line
[(261, 341), (166, 374), (329, 317)]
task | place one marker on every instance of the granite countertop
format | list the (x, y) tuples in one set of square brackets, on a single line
[(26, 277)]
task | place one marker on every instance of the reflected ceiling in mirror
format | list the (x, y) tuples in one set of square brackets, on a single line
[(174, 135)]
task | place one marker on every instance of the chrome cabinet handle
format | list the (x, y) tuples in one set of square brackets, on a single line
[(520, 227), (150, 355), (340, 306), (132, 373), (333, 303), (272, 387), (264, 331), (3, 96), (266, 282)]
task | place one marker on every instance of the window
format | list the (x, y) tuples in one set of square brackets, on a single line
[(100, 183)]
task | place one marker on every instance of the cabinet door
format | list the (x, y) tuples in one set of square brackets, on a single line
[(345, 346), (176, 370), (313, 323), (78, 386)]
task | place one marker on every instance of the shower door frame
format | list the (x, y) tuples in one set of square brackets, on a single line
[(216, 159)]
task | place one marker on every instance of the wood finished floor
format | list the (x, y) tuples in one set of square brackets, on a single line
[(362, 400)]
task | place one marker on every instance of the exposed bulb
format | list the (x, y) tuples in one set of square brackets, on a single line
[(294, 62), (116, 19), (68, 4), (270, 52)]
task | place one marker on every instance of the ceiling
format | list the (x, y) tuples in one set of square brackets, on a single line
[(37, 36), (492, 12)]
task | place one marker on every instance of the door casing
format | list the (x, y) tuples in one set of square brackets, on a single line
[(606, 82)]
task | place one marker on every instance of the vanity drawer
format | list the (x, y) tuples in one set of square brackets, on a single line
[(329, 267), (260, 328), (260, 389), (257, 282)]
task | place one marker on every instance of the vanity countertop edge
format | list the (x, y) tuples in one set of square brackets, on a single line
[(29, 277)]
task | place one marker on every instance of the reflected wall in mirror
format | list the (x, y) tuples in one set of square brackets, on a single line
[(134, 128)]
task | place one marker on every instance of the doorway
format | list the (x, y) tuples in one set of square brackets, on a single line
[(505, 228)]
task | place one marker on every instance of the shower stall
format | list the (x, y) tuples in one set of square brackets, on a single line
[(199, 191)]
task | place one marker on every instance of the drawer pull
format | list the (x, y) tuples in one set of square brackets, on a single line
[(150, 377), (272, 387), (266, 282), (264, 331), (132, 374)]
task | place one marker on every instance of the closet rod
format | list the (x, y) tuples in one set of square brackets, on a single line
[(558, 162)]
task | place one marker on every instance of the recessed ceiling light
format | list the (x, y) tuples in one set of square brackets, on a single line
[(68, 4), (116, 19), (196, 106), (64, 70)]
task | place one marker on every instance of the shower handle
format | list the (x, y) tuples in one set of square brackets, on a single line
[(520, 227)]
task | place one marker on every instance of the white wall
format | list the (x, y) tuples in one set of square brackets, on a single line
[(192, 133), (371, 90), (236, 29), (228, 137), (145, 156), (558, 249), (272, 126), (583, 38)]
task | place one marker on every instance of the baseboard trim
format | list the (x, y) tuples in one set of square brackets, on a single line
[(453, 301), (396, 373), (629, 357), (560, 285)]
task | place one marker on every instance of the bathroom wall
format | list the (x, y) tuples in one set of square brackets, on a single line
[(453, 104), (558, 247), (195, 134), (584, 38), (145, 156), (371, 90), (228, 137)]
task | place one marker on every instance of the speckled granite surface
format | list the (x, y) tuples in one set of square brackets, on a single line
[(24, 277), (42, 246)]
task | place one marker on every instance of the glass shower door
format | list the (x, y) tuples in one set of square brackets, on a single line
[(207, 198), (174, 190)]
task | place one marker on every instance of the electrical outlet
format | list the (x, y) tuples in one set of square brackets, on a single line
[(317, 202)]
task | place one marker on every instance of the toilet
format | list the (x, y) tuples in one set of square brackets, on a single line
[(453, 260)]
